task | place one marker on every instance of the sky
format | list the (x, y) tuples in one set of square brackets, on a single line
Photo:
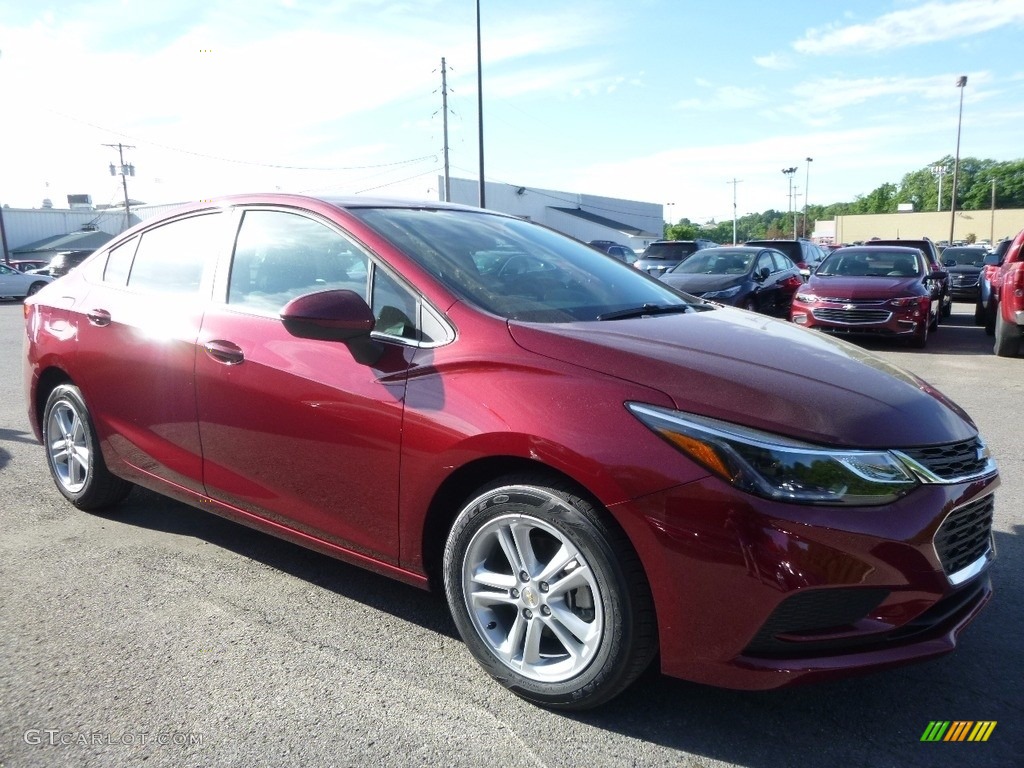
[(662, 101)]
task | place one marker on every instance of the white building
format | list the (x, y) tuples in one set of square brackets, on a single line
[(585, 217)]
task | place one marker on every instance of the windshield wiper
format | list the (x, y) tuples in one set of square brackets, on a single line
[(646, 309)]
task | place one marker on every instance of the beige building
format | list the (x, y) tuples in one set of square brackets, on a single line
[(984, 225)]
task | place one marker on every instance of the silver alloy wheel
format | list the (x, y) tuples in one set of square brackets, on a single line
[(533, 598), (68, 446)]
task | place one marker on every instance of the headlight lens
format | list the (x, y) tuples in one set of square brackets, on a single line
[(777, 467), (728, 293), (806, 298)]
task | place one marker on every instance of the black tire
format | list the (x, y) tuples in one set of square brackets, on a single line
[(979, 313), (1007, 342), (35, 287), (933, 326), (946, 306), (73, 453), (580, 585), (920, 339), (990, 317), (750, 305)]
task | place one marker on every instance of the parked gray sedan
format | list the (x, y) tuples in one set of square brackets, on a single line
[(17, 285)]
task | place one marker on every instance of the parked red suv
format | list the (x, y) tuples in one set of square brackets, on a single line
[(1007, 299), (596, 470)]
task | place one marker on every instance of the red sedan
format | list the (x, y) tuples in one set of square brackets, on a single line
[(596, 470), (872, 291)]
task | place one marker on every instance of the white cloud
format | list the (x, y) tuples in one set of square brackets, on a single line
[(927, 23), (774, 61)]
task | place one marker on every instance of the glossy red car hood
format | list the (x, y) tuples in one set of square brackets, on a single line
[(839, 287), (768, 374)]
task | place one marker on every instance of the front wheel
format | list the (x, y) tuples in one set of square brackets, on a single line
[(73, 453), (920, 339), (548, 595), (35, 288)]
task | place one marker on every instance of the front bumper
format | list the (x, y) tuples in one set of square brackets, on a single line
[(861, 318), (753, 594)]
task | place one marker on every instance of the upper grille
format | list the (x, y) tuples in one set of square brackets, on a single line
[(965, 535), (962, 280), (951, 461), (853, 316)]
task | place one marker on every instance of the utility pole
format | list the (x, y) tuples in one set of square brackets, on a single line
[(789, 175), (807, 183), (444, 111), (125, 172), (938, 171), (734, 182), (992, 231)]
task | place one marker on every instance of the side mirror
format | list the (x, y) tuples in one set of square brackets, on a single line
[(937, 274), (992, 260), (334, 316), (763, 273)]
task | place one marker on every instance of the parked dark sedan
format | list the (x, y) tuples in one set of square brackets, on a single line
[(964, 265), (759, 279), (596, 470), (661, 255), (872, 291), (62, 263)]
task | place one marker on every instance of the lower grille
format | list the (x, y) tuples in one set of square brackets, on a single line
[(965, 535), (854, 316)]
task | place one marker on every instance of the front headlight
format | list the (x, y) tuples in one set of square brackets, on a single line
[(806, 298), (726, 293), (778, 467)]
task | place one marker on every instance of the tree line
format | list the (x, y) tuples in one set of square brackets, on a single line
[(919, 188)]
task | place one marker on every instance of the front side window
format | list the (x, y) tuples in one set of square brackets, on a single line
[(171, 258), (280, 256)]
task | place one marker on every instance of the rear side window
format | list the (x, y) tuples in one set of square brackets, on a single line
[(171, 258), (119, 262)]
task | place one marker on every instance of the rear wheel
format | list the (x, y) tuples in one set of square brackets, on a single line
[(73, 453), (990, 317), (979, 313), (34, 288), (548, 595), (1007, 343)]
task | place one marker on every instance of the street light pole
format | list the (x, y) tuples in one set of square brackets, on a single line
[(807, 181), (480, 104), (961, 83)]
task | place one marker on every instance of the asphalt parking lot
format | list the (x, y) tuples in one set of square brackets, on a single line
[(169, 635)]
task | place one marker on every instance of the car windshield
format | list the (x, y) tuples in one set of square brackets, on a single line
[(715, 261), (672, 251), (876, 262), (952, 257), (519, 270)]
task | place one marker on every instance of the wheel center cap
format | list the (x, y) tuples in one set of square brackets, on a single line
[(530, 597)]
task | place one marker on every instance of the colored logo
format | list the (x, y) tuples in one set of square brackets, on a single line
[(958, 730)]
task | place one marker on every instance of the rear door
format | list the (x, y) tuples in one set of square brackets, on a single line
[(137, 331)]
